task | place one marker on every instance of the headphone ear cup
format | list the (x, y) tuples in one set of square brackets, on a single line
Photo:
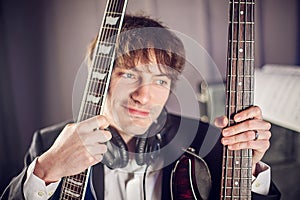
[(117, 152), (140, 150), (147, 149)]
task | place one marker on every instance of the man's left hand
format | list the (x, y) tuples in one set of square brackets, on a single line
[(249, 131)]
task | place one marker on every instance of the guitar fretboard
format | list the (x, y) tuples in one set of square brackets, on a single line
[(102, 60), (73, 187), (237, 165)]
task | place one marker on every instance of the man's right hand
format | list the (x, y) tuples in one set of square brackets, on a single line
[(78, 147)]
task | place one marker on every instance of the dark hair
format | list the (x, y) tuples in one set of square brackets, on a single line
[(141, 38)]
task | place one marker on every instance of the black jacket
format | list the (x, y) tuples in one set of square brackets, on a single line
[(182, 127)]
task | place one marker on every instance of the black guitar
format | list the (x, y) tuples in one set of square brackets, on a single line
[(74, 187), (189, 177)]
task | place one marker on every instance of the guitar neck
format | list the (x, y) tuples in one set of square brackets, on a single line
[(74, 187), (103, 58), (237, 165)]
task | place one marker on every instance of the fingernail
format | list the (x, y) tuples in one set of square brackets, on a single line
[(237, 118), (224, 141), (225, 132)]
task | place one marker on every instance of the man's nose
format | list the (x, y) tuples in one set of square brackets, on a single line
[(142, 94)]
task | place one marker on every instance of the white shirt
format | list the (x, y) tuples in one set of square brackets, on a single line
[(119, 184)]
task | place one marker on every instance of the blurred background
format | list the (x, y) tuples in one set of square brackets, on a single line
[(43, 43)]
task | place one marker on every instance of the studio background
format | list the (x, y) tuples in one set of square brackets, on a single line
[(43, 43)]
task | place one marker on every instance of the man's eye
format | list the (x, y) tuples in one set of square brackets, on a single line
[(128, 75), (162, 82)]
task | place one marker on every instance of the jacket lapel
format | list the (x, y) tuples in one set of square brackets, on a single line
[(98, 180)]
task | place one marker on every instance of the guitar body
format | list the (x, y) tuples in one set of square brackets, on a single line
[(190, 178)]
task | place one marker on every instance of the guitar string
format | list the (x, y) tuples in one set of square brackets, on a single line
[(252, 75), (229, 100), (236, 93), (241, 94), (244, 85), (249, 83), (244, 63)]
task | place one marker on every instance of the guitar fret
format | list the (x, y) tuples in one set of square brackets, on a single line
[(236, 168), (96, 87), (98, 82), (238, 106), (96, 92), (242, 41), (116, 13), (103, 56), (246, 156), (246, 59), (104, 42), (88, 113), (243, 152), (244, 23), (74, 181), (110, 28), (72, 194), (237, 188), (250, 3), (234, 184), (238, 174), (240, 75), (236, 197), (74, 187), (86, 116), (89, 107), (243, 91)]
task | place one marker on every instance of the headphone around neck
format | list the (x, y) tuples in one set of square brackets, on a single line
[(146, 150)]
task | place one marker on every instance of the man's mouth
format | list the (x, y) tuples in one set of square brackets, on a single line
[(138, 112)]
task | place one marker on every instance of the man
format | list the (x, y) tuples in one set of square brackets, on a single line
[(134, 119)]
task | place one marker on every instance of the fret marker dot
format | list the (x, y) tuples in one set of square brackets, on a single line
[(236, 183), (241, 50), (237, 162), (240, 83), (242, 12)]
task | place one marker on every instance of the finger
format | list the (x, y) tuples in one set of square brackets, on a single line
[(252, 112), (221, 122), (253, 124), (96, 150), (246, 136), (98, 157), (91, 124), (258, 145), (98, 136)]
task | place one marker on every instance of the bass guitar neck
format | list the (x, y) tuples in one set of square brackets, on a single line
[(237, 164)]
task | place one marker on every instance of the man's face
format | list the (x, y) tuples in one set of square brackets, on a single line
[(136, 97)]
